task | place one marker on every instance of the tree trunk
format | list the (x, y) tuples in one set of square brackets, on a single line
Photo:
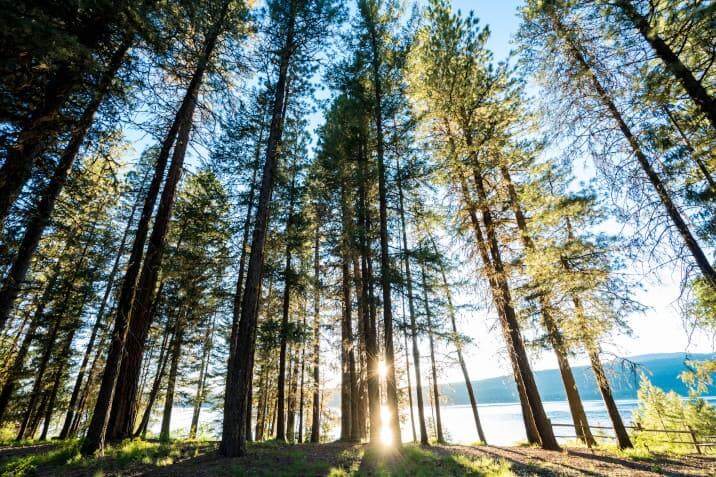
[(385, 271), (94, 439), (579, 416), (530, 427), (411, 312), (622, 436), (199, 397), (233, 437), (122, 416), (436, 393), (40, 217), (458, 345), (316, 406), (173, 372), (671, 209), (694, 88), (511, 327)]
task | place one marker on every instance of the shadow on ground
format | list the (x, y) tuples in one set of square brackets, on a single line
[(187, 458)]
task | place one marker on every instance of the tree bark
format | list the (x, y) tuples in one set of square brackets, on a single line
[(233, 437)]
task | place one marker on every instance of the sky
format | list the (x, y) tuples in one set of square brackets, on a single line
[(658, 330)]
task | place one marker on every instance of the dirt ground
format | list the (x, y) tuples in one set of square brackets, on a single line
[(581, 462)]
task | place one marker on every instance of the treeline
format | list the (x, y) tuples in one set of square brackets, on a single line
[(220, 266)]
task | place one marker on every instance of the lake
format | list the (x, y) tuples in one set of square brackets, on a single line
[(502, 423)]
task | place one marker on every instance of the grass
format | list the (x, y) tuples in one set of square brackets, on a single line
[(127, 454), (418, 461)]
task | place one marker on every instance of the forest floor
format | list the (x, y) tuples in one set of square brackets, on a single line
[(196, 458)]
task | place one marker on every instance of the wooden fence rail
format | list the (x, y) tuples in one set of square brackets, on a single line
[(697, 441)]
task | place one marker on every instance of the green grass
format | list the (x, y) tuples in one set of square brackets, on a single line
[(415, 461), (263, 460), (127, 454)]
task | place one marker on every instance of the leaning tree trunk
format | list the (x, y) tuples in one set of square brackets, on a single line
[(94, 439), (511, 327), (239, 373), (457, 341), (623, 440), (694, 88), (122, 415), (672, 210), (554, 334), (40, 217), (530, 427)]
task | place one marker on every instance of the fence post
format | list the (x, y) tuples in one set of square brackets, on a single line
[(693, 438)]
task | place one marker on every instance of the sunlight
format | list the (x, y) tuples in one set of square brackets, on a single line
[(382, 369), (386, 435)]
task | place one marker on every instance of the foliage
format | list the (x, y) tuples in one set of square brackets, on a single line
[(669, 411)]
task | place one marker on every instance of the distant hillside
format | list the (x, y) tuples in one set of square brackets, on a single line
[(662, 369)]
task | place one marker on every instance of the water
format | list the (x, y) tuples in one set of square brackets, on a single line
[(502, 423)]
